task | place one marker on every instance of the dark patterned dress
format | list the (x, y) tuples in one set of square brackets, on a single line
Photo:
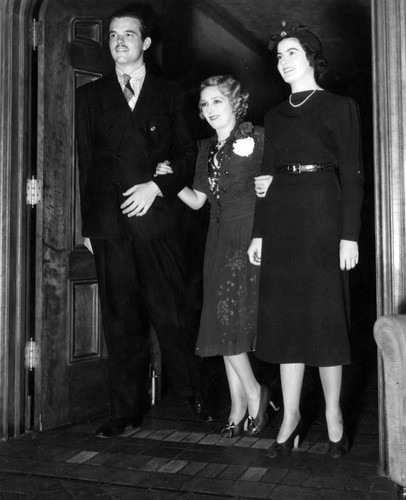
[(303, 298), (230, 283)]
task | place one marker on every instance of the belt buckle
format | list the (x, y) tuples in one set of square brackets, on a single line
[(296, 169)]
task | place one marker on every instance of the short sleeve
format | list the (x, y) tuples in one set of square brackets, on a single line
[(200, 181)]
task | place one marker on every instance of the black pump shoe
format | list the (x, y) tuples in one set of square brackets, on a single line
[(258, 424), (337, 449), (232, 430), (280, 450)]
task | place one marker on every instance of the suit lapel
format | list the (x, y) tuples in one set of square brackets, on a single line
[(123, 121), (116, 107), (150, 98)]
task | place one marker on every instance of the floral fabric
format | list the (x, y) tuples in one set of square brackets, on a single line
[(228, 321)]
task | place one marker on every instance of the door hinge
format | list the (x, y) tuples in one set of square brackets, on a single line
[(31, 354), (34, 192), (36, 34)]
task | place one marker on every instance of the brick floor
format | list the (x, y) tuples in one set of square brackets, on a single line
[(177, 457)]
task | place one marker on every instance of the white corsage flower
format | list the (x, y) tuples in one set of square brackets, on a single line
[(244, 147)]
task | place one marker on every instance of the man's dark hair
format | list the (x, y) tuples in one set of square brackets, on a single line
[(143, 13)]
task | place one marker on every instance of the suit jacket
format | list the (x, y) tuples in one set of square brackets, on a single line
[(118, 148)]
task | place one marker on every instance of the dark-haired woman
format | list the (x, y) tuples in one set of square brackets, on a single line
[(305, 235), (225, 170)]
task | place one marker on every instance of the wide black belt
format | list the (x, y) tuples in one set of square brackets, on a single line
[(302, 169)]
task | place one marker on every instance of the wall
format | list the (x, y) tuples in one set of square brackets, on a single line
[(197, 46)]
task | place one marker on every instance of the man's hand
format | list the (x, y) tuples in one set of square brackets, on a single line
[(348, 254), (140, 198), (254, 251)]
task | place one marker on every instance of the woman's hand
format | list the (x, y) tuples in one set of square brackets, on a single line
[(262, 183), (348, 254), (163, 168), (254, 251)]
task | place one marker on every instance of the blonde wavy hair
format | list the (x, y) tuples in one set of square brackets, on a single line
[(231, 88)]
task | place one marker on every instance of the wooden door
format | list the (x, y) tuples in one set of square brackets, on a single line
[(71, 382)]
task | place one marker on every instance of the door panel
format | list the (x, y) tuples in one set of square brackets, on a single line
[(71, 383)]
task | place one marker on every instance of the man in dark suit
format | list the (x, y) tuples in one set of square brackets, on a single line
[(126, 123)]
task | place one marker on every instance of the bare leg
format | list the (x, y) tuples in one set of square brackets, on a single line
[(238, 398), (244, 388), (331, 382), (292, 380)]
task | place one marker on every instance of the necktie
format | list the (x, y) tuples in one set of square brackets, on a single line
[(128, 90)]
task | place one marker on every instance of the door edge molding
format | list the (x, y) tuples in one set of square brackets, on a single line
[(14, 213)]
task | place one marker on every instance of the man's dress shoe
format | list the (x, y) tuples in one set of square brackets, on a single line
[(115, 427), (197, 406)]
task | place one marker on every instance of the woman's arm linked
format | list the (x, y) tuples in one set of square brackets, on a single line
[(192, 198)]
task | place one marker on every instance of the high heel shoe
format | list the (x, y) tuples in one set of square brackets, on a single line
[(339, 448), (283, 449), (232, 430), (258, 424)]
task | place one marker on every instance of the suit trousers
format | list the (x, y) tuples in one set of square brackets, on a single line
[(142, 282)]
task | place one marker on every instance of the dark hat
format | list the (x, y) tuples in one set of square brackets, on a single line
[(302, 33)]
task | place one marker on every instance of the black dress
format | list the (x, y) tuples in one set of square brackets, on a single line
[(230, 283), (303, 298)]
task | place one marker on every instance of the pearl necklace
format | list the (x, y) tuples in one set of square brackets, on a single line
[(300, 104)]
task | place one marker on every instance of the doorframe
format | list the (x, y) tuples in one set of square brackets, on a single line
[(15, 215)]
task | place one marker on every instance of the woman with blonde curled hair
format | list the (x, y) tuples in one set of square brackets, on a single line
[(225, 169)]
